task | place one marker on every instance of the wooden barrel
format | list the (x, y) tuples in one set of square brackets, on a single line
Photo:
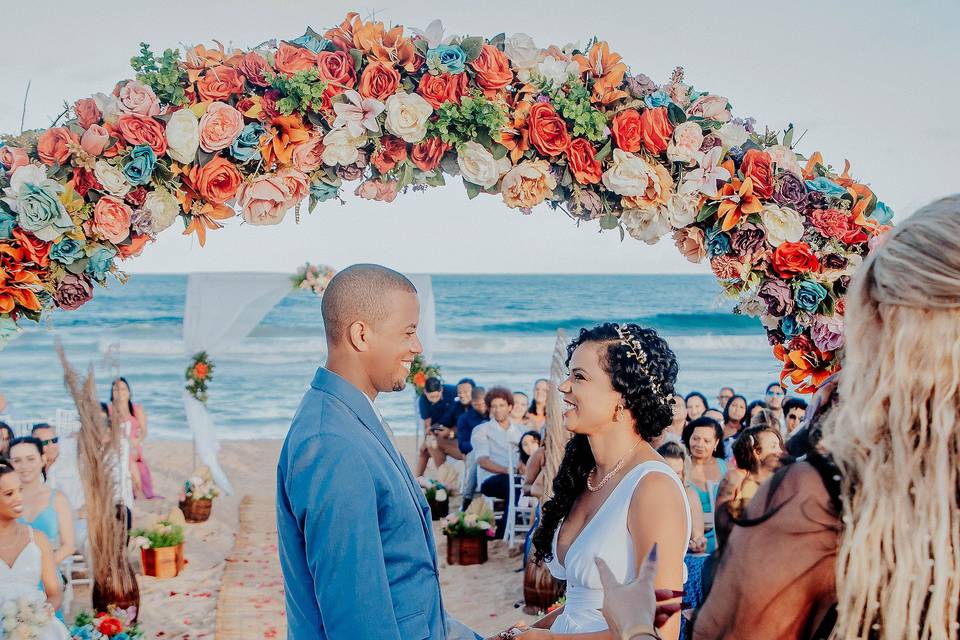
[(540, 589), (196, 510), (103, 597), (466, 550), (438, 510)]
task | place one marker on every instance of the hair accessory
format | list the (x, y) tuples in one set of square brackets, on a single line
[(635, 351)]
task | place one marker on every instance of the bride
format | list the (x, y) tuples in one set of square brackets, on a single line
[(26, 561), (613, 497)]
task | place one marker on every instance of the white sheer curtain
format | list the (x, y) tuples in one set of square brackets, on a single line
[(426, 331), (221, 309)]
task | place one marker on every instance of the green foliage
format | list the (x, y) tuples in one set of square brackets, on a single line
[(164, 74), (162, 534), (574, 105), (475, 118), (302, 92)]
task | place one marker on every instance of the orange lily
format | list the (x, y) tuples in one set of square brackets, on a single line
[(515, 136), (808, 171), (608, 72), (206, 217), (284, 134), (200, 58), (737, 200), (387, 46), (16, 282), (806, 370)]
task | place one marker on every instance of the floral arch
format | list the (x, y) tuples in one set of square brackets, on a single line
[(216, 133)]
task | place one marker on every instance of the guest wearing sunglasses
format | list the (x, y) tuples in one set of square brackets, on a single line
[(60, 474)]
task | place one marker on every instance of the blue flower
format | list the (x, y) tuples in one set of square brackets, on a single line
[(101, 262), (67, 251), (882, 213), (246, 146), (7, 223), (718, 242), (447, 57), (121, 636), (826, 186), (657, 99), (310, 40), (140, 164), (321, 191), (809, 295), (790, 327)]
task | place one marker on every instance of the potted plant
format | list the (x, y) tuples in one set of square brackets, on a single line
[(114, 624), (439, 500), (467, 535), (161, 549), (196, 499)]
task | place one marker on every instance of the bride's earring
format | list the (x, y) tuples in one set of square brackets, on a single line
[(618, 414)]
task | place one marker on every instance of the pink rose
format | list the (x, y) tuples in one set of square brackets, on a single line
[(219, 126), (111, 220), (691, 243), (264, 200), (94, 139), (88, 113), (138, 98), (296, 182), (710, 107), (308, 155), (12, 158), (376, 190)]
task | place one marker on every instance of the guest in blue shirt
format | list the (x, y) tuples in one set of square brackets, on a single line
[(474, 416), (435, 405), (464, 397)]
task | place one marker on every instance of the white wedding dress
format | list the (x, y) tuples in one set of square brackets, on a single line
[(605, 536), (22, 580)]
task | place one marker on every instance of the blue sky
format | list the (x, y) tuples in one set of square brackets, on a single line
[(872, 82)]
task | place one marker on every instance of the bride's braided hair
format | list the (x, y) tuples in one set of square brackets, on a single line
[(643, 369)]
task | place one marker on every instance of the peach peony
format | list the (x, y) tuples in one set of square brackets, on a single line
[(528, 184), (308, 155), (88, 113), (219, 126), (12, 158), (297, 184), (138, 98), (264, 200), (111, 220), (656, 192)]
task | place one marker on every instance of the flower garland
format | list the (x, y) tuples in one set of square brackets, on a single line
[(200, 136), (198, 374), (420, 371), (313, 277)]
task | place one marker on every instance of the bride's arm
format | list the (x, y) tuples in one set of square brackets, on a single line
[(48, 570)]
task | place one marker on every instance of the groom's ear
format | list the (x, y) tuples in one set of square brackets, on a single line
[(358, 334)]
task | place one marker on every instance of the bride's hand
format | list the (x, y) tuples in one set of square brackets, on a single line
[(626, 606)]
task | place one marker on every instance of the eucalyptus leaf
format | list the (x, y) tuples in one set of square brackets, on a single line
[(605, 150), (788, 137), (676, 114), (357, 56), (499, 41), (609, 221), (499, 151), (473, 190), (472, 47)]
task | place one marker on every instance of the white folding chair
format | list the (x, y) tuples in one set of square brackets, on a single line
[(520, 510)]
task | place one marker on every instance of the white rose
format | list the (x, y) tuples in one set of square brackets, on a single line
[(109, 106), (341, 148), (440, 496), (27, 174), (163, 207), (112, 178), (753, 307), (522, 52), (470, 520), (628, 174), (686, 142), (407, 115), (782, 224), (556, 71), (477, 165), (786, 159), (486, 526), (681, 209), (183, 136), (648, 225), (732, 135)]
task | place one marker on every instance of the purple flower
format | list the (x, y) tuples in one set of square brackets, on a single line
[(775, 337), (814, 200), (827, 332), (74, 291), (141, 223), (710, 141), (791, 192), (589, 207), (777, 296), (835, 261), (747, 239), (746, 123), (640, 86)]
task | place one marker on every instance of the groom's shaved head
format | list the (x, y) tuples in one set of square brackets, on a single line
[(360, 293)]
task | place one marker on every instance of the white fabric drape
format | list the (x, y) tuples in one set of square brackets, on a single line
[(427, 329), (221, 309)]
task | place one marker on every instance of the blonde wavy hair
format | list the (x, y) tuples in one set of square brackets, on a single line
[(895, 436)]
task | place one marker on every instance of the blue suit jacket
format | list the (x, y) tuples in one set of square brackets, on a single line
[(356, 543)]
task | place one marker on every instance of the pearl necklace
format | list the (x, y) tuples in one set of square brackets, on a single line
[(613, 472)]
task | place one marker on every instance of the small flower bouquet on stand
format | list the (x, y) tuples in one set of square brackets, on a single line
[(467, 535), (439, 500), (198, 374), (196, 499), (420, 371), (313, 277), (161, 549), (115, 624)]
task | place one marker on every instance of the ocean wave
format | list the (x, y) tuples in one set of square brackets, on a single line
[(667, 323)]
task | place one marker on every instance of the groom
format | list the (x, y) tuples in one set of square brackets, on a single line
[(356, 542)]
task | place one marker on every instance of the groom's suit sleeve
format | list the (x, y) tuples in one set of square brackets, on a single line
[(336, 497)]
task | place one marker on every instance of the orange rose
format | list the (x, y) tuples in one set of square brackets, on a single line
[(52, 145), (200, 371), (290, 59), (626, 130), (548, 131), (656, 130), (12, 158), (136, 129), (35, 250), (255, 67), (758, 166), (110, 221), (420, 379), (378, 81), (338, 70), (492, 69), (87, 112), (794, 258), (428, 153), (217, 181), (442, 88), (219, 83), (582, 160), (394, 151)]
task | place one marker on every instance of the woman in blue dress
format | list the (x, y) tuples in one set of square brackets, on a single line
[(703, 438)]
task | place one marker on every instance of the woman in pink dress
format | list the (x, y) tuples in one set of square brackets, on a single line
[(121, 402)]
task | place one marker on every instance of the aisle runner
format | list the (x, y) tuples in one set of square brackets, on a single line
[(251, 598)]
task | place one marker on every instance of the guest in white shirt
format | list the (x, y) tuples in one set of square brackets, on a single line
[(495, 446)]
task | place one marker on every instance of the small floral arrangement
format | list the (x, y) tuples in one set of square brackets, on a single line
[(115, 624), (24, 618), (556, 605), (420, 371), (198, 374), (436, 492), (313, 277), (469, 524), (200, 486), (161, 534)]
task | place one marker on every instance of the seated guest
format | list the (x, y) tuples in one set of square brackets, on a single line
[(533, 475), (697, 405), (794, 411), (765, 418), (464, 398), (673, 433), (774, 399), (704, 440), (6, 436), (520, 415), (495, 446), (676, 456), (119, 464), (475, 415), (752, 409), (61, 475), (733, 416), (537, 411), (529, 444), (724, 396), (439, 441), (714, 414)]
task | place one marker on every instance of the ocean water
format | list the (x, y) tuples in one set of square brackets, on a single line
[(497, 329)]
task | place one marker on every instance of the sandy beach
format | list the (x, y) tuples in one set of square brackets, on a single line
[(186, 607)]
